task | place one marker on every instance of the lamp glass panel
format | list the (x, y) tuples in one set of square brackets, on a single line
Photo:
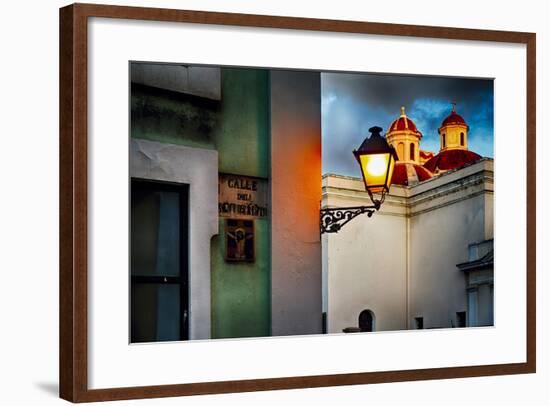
[(375, 168), (390, 170)]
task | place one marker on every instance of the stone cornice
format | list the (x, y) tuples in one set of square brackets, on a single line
[(443, 190)]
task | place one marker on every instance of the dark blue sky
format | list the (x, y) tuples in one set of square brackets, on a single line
[(352, 103)]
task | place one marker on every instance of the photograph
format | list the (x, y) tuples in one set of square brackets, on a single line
[(280, 202), (274, 203)]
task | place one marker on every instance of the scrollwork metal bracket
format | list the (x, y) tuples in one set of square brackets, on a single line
[(333, 219)]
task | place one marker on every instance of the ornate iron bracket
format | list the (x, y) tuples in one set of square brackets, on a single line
[(333, 219)]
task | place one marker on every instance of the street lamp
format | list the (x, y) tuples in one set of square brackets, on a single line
[(377, 160)]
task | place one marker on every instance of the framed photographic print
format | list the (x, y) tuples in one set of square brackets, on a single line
[(255, 202)]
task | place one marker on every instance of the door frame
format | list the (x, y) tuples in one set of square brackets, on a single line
[(183, 279)]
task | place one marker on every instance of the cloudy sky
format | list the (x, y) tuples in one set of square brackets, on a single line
[(352, 103)]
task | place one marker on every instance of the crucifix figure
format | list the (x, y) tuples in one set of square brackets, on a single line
[(240, 238)]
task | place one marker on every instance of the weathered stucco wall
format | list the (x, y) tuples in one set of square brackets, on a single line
[(295, 198), (197, 168), (192, 80), (241, 302), (175, 104), (401, 263), (440, 242), (242, 137), (447, 214), (366, 262), (177, 110)]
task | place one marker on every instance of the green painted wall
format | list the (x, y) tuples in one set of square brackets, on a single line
[(241, 296), (243, 133), (241, 293), (238, 128)]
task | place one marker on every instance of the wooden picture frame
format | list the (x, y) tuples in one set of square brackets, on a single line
[(73, 208)]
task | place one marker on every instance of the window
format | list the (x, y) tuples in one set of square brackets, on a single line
[(443, 141), (366, 321), (419, 322), (472, 308), (401, 151), (411, 152), (158, 252), (462, 139)]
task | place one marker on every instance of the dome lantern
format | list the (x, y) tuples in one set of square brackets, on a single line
[(405, 137), (454, 152), (453, 133)]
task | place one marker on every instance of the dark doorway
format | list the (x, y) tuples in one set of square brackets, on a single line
[(366, 321), (461, 319), (159, 264)]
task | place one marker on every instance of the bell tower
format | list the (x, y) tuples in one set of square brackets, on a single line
[(405, 138), (453, 133)]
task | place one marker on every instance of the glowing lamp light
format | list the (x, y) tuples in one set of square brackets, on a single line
[(376, 165), (377, 160)]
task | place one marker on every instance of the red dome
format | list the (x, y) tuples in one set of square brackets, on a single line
[(453, 118), (426, 154), (406, 174), (403, 123), (451, 159)]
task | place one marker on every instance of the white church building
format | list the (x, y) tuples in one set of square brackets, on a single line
[(425, 259)]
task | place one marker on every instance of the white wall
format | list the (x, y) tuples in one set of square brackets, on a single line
[(444, 221), (365, 262), (28, 208), (295, 197), (197, 168), (401, 263)]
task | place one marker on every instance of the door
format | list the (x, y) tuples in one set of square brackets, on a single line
[(159, 261), (366, 321)]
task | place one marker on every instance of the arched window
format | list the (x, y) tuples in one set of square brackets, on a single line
[(462, 139), (366, 321), (401, 151), (443, 143), (412, 152)]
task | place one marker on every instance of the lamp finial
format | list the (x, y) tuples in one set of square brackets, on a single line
[(375, 131)]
